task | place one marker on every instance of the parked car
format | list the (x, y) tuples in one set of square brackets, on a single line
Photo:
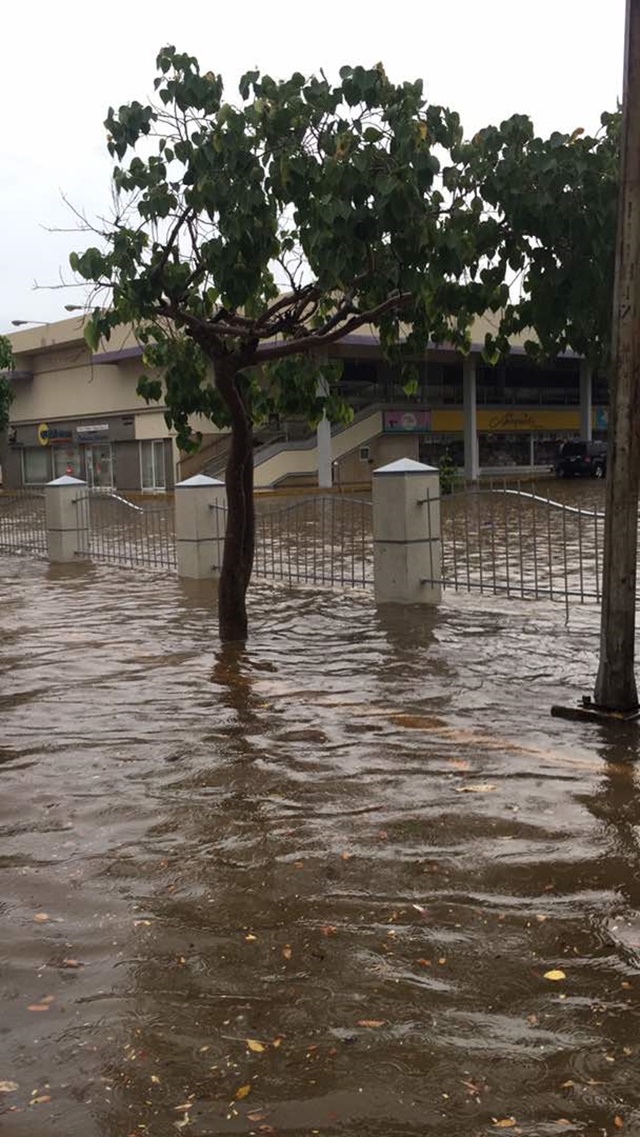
[(582, 459)]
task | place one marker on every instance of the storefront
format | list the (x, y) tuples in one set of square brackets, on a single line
[(506, 438), (106, 454)]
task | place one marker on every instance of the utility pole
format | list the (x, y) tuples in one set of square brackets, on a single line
[(615, 688)]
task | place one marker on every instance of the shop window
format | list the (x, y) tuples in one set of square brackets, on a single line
[(512, 449), (152, 465), (36, 465), (66, 461)]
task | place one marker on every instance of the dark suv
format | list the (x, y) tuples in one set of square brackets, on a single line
[(582, 459)]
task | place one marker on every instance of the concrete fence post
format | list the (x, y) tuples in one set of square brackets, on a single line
[(66, 519), (200, 505), (407, 550)]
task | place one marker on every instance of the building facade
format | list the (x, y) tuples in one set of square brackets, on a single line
[(77, 412)]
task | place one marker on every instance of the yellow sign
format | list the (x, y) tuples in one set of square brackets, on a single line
[(43, 434), (508, 421)]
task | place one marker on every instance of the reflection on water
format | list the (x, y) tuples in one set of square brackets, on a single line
[(360, 842)]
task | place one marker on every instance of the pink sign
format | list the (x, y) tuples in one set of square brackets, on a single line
[(407, 421)]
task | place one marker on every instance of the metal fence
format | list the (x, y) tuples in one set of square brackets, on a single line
[(506, 539), (124, 533), (325, 539), (513, 541), (22, 522)]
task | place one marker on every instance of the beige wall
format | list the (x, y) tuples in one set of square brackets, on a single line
[(353, 470), (79, 389)]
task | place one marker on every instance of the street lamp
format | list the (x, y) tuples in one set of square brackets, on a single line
[(19, 323)]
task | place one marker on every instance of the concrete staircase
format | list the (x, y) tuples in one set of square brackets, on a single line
[(279, 461)]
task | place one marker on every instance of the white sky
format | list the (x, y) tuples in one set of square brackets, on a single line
[(560, 61)]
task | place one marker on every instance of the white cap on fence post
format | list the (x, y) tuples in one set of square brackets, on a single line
[(201, 510), (407, 553), (66, 519)]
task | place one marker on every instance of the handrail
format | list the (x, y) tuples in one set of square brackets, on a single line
[(94, 491), (541, 500)]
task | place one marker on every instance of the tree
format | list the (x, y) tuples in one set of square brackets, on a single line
[(7, 393), (556, 200), (258, 234)]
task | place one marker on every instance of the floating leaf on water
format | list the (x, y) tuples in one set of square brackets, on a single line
[(40, 1099), (328, 930), (41, 917), (346, 856), (257, 1047), (243, 1092), (155, 1079), (71, 964), (39, 1007), (555, 975), (250, 938), (618, 1122), (372, 1023), (504, 1122), (276, 1042), (8, 1087), (256, 1116), (286, 951)]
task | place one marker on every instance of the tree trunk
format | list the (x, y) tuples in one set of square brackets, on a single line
[(239, 540), (616, 684)]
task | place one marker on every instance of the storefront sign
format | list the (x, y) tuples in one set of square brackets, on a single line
[(497, 421), (53, 435), (92, 432), (406, 422)]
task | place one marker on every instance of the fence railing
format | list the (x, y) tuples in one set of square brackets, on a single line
[(512, 541), (125, 533), (22, 522), (323, 540)]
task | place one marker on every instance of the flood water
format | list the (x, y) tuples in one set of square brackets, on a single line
[(318, 886)]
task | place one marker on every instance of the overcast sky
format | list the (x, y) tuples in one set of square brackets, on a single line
[(560, 61)]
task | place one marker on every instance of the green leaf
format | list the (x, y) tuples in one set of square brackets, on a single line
[(92, 335)]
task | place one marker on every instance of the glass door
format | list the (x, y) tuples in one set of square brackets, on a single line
[(99, 462)]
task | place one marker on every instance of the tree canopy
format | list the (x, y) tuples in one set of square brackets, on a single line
[(6, 388), (557, 199)]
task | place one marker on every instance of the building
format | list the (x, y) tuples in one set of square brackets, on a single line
[(77, 412)]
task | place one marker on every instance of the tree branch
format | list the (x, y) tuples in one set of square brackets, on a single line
[(317, 340)]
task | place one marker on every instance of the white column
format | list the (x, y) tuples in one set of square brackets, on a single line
[(585, 400), (407, 552), (471, 467), (200, 505), (323, 441), (66, 507)]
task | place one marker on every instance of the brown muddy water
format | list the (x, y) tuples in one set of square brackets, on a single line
[(319, 886)]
